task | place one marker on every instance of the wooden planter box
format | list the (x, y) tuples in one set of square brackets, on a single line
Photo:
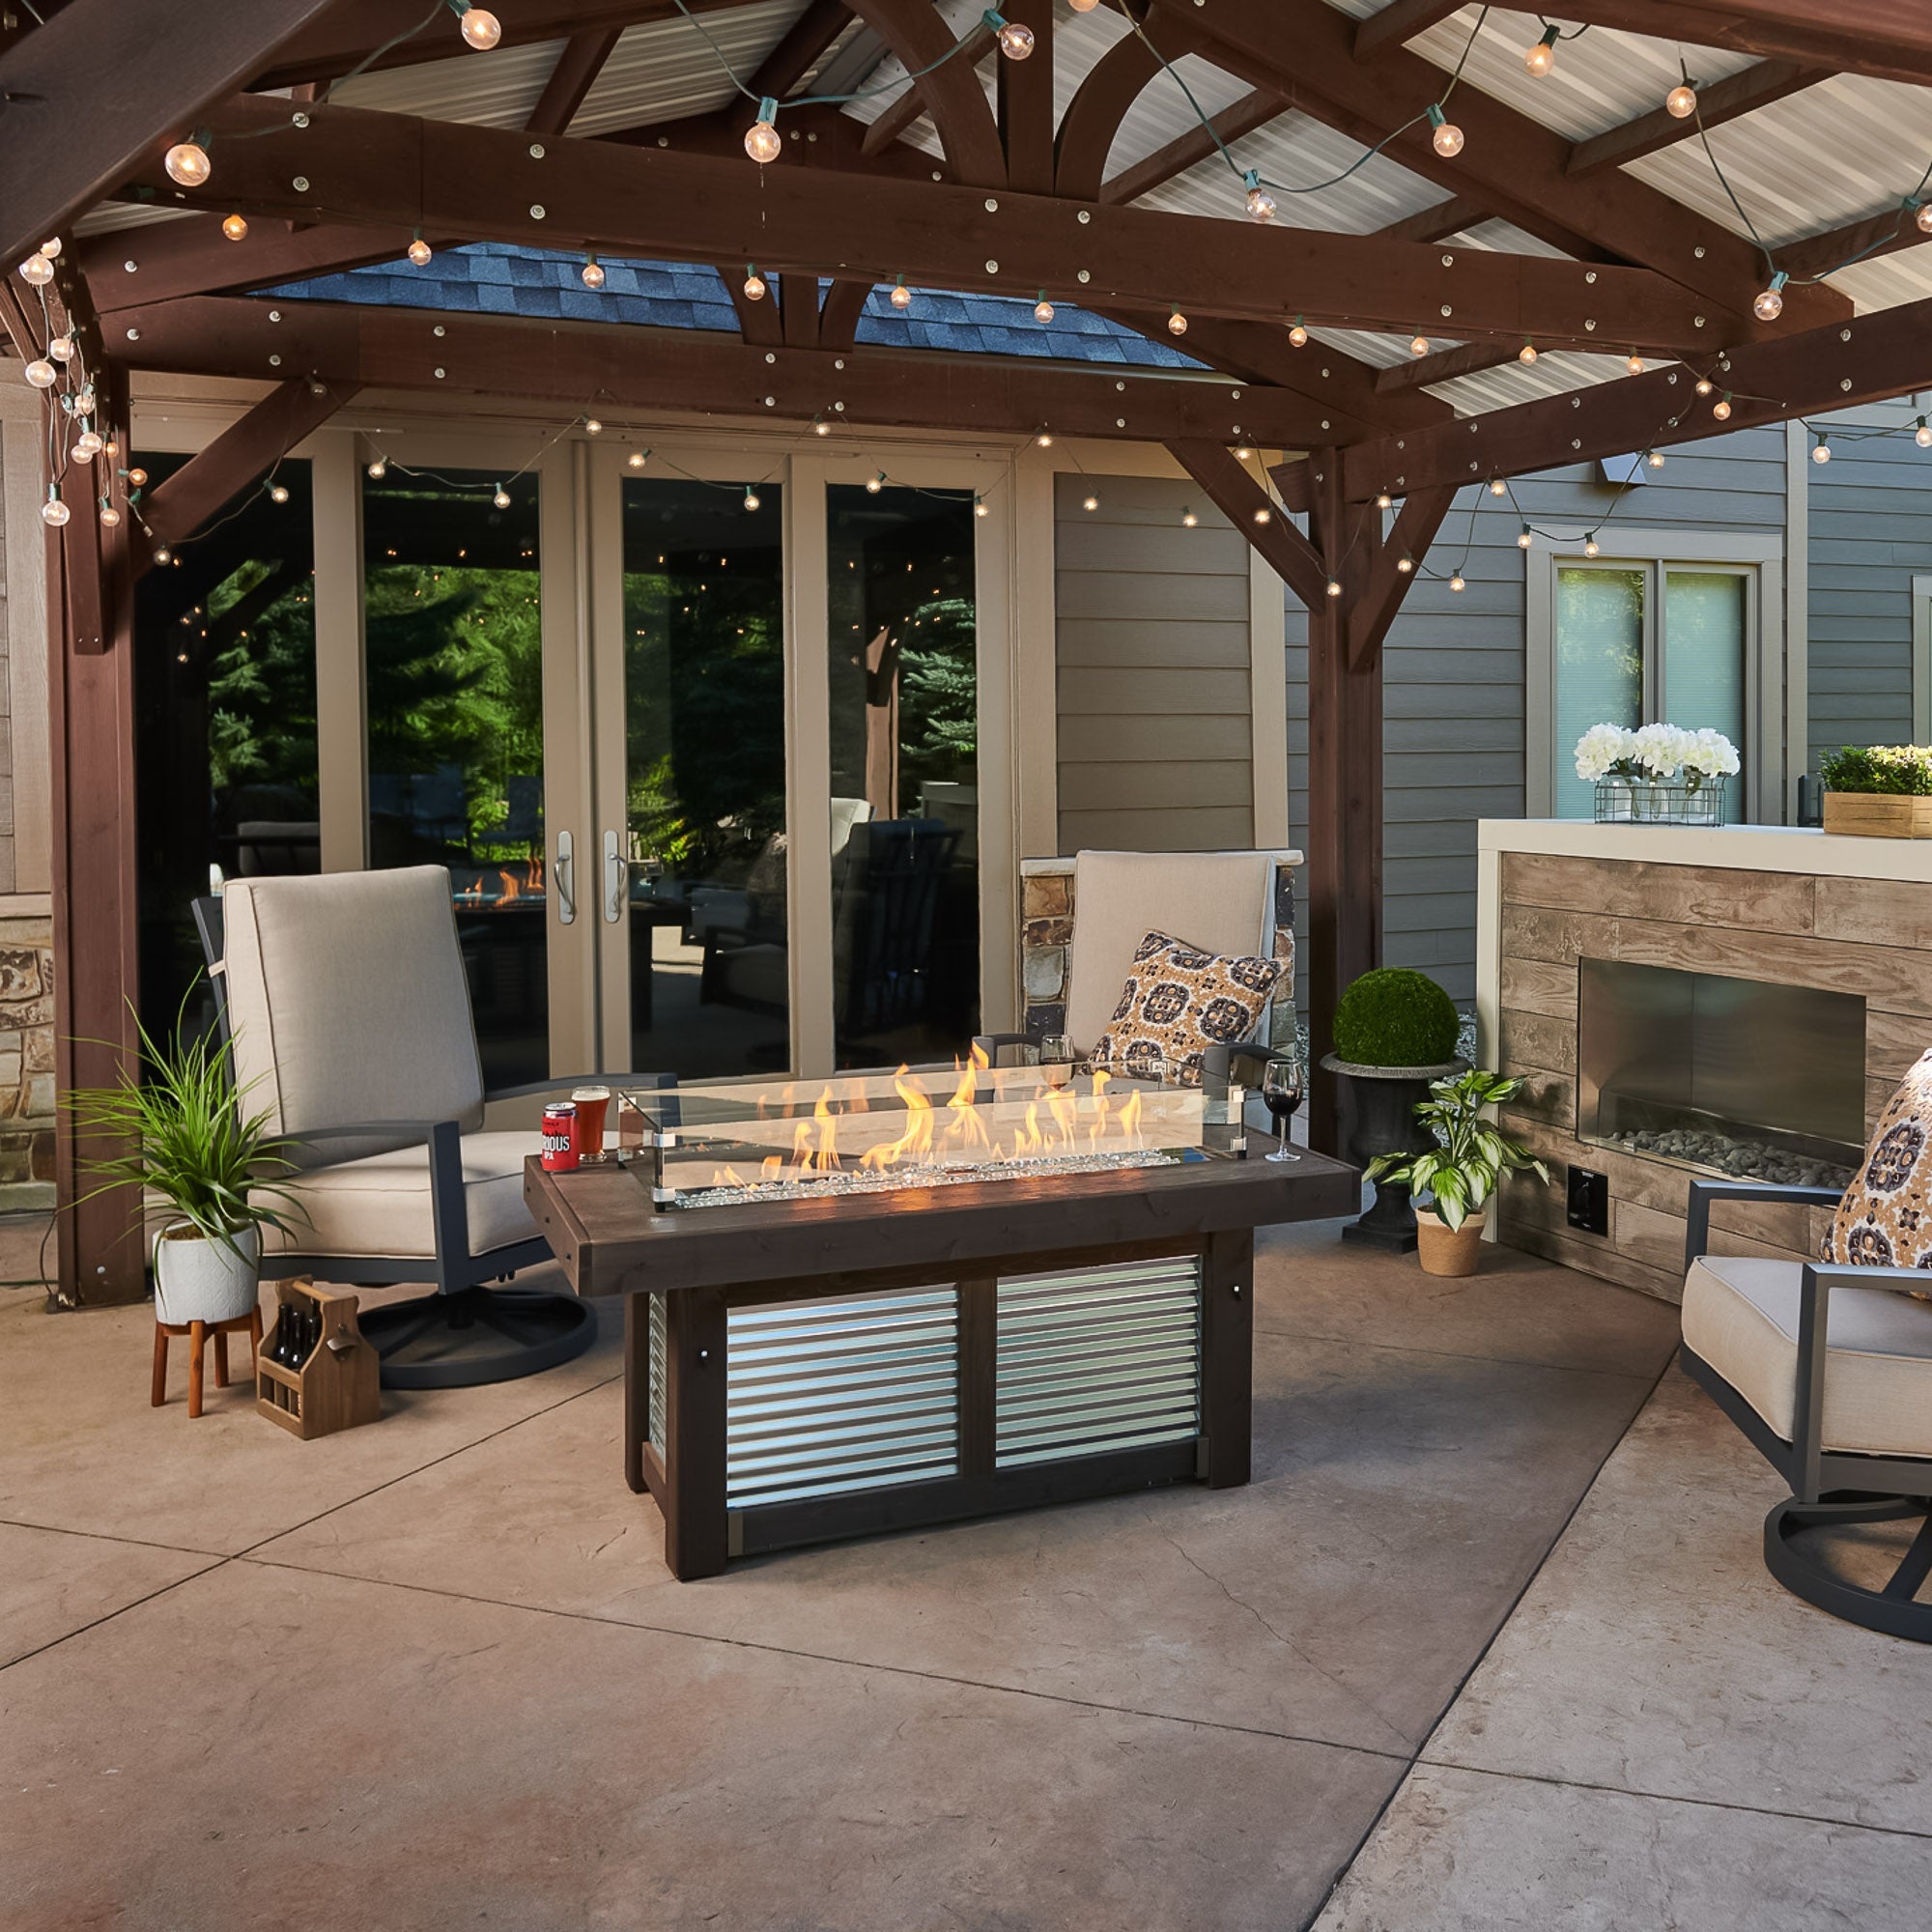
[(1871, 815)]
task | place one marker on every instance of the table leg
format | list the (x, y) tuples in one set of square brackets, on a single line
[(1227, 1356), (637, 1387), (696, 1538)]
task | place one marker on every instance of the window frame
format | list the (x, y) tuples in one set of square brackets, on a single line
[(1759, 557)]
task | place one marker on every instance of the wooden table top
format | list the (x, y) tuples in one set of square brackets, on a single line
[(603, 1229)]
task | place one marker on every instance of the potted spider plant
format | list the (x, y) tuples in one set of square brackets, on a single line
[(215, 1167), (1459, 1171)]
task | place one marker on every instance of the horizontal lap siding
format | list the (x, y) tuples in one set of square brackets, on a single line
[(1871, 531), (1156, 745), (1454, 727)]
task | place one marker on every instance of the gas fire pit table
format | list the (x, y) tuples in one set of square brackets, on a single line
[(901, 1298)]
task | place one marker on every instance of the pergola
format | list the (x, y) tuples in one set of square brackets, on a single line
[(1543, 300)]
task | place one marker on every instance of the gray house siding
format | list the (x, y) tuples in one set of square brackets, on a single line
[(1153, 669), (1453, 726), (1870, 529)]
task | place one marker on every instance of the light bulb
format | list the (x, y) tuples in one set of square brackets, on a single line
[(1042, 309), (186, 163), (42, 373), (54, 512), (61, 349), (1189, 520), (750, 499), (1821, 451), (1681, 102), (235, 227), (1922, 435), (1922, 215), (377, 470), (1528, 353), (1177, 324), (978, 505), (1383, 501), (1459, 581), (1419, 346), (87, 446), (38, 269), (1704, 385), (1243, 453), (480, 27), (1522, 540), (820, 427), (1654, 459), (501, 498), (1264, 515), (762, 137), (875, 484), (163, 555), (137, 479), (421, 252), (278, 493), (1260, 206), (1015, 41), (592, 427), (1334, 588), (754, 286), (1405, 564), (1542, 57), (1635, 363), (1083, 6), (1447, 140), (1497, 485), (1092, 503), (110, 517), (1768, 304), (52, 248), (1722, 408), (637, 459), (901, 296), (1044, 439), (1591, 548), (84, 404), (593, 273), (1298, 337)]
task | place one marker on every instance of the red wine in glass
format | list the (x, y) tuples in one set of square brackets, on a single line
[(1281, 1092)]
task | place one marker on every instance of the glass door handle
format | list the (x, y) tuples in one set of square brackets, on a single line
[(616, 877), (566, 881)]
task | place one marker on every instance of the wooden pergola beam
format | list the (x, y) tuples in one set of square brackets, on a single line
[(1721, 100), (568, 366), (1234, 490), (1444, 365), (1408, 541), (571, 79), (393, 171), (1026, 105), (1254, 110), (143, 88), (1399, 21), (1437, 223), (1887, 233), (804, 44)]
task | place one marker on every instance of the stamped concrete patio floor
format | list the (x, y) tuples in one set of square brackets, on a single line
[(434, 1673)]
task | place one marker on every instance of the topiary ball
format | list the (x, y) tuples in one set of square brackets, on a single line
[(1396, 1018)]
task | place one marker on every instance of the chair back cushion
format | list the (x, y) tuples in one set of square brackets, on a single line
[(1177, 1002), (1213, 901), (348, 1002)]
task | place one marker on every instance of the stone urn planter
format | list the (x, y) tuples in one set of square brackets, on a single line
[(1446, 1250), (1378, 1106)]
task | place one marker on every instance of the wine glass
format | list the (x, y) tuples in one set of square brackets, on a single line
[(1056, 1059), (1282, 1090)]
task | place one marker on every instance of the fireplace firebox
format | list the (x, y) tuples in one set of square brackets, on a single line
[(1736, 1076)]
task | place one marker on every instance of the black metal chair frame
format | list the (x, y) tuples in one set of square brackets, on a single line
[(1828, 1489), (544, 1327)]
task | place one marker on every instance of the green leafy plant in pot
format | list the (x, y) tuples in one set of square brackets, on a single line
[(1395, 1032), (188, 1141), (1466, 1158)]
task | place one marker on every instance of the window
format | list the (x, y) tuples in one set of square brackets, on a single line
[(1637, 639)]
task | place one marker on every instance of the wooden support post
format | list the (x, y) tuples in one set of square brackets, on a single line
[(696, 1529), (1228, 1356)]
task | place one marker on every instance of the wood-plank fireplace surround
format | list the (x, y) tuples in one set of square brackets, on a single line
[(1774, 907)]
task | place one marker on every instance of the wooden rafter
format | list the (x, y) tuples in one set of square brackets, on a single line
[(947, 88), (143, 89), (1099, 104), (571, 78), (1255, 109), (365, 167), (1436, 223), (804, 44), (1399, 21), (1721, 100), (1886, 233), (1467, 358), (838, 314), (1026, 103), (1407, 542), (1232, 490)]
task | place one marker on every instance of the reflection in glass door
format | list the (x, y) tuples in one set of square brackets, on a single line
[(704, 867), (905, 797), (453, 661)]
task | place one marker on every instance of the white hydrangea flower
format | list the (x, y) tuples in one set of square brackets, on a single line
[(1712, 754), (1660, 749), (1600, 749)]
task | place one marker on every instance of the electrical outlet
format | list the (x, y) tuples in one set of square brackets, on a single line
[(1589, 1194)]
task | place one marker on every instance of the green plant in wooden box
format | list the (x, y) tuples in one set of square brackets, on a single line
[(1877, 792), (1460, 1172)]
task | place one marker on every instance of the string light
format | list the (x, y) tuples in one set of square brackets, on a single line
[(1680, 103), (1921, 214), (593, 273), (1044, 439), (1447, 139), (1083, 6), (1177, 322), (1015, 37), (875, 484), (42, 374), (1419, 346), (1297, 336), (1264, 515), (1334, 587), (1523, 541), (978, 505), (1635, 363), (754, 283), (1542, 57), (901, 296), (419, 250), (1092, 503), (54, 512), (61, 349), (480, 27), (1922, 435), (1042, 309), (1189, 520), (1405, 564), (187, 162), (1261, 203), (377, 471), (637, 458), (1821, 451), (278, 493), (501, 498), (751, 498), (52, 248), (762, 137), (1704, 385), (87, 446), (1590, 545), (137, 479), (1655, 458), (38, 269), (1459, 581), (235, 227), (1242, 454), (1527, 355), (820, 427), (1497, 485), (1769, 305), (1722, 408), (1383, 501), (110, 517)]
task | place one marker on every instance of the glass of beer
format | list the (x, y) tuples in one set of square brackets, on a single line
[(593, 1104)]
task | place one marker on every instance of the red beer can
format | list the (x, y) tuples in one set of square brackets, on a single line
[(560, 1136)]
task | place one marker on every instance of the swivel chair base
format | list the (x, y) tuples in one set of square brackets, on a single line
[(1892, 1609), (478, 1335)]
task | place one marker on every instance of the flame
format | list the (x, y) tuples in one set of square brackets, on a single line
[(512, 891)]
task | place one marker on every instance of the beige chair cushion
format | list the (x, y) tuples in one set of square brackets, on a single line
[(1178, 1002), (1219, 901), (379, 1205), (348, 1000), (1885, 1219), (1741, 1317)]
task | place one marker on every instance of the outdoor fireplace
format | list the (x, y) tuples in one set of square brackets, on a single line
[(1738, 1076)]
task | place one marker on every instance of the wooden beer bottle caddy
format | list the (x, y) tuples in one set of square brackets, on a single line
[(337, 1385)]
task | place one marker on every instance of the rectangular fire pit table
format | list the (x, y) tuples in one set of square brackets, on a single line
[(804, 1362)]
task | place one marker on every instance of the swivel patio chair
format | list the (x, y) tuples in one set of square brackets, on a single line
[(345, 1001), (1827, 1369)]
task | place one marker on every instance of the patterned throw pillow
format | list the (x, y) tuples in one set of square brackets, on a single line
[(1178, 1002), (1885, 1219)]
